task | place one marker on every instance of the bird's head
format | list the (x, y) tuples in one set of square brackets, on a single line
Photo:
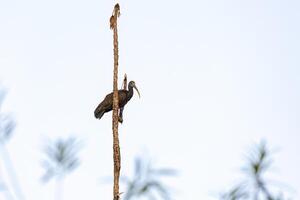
[(132, 85)]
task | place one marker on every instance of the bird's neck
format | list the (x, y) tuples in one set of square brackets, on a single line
[(130, 92)]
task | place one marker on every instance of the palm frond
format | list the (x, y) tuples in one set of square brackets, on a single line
[(61, 157), (164, 172), (146, 180), (7, 126)]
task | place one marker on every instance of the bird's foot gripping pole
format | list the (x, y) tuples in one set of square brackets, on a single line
[(121, 115)]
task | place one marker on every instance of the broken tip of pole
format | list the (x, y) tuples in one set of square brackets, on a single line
[(124, 84), (113, 19), (117, 10)]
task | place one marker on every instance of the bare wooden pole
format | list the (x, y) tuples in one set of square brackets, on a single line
[(125, 82), (115, 116), (124, 88)]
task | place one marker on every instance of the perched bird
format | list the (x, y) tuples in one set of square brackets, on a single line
[(107, 104)]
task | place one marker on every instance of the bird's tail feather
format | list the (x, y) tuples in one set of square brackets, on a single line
[(99, 112)]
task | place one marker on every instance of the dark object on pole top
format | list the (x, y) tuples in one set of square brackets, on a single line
[(113, 19), (107, 104)]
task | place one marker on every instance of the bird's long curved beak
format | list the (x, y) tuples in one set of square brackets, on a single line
[(137, 91)]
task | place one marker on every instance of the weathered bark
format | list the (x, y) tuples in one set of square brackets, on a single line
[(115, 116)]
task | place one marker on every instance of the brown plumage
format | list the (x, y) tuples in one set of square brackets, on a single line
[(107, 104)]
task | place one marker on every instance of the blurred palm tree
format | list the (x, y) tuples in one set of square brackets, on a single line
[(259, 162), (146, 181), (61, 159), (255, 186), (236, 193), (7, 126), (4, 188)]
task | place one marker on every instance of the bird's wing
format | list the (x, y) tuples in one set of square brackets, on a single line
[(121, 93), (122, 97), (105, 104)]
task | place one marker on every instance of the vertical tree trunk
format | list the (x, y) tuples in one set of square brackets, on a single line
[(4, 188), (59, 188), (266, 193), (11, 172), (116, 147)]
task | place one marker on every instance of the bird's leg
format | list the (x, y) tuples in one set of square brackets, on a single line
[(121, 115)]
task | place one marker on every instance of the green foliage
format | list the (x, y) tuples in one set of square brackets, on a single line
[(146, 181), (237, 192), (61, 158), (255, 186), (7, 124), (7, 127)]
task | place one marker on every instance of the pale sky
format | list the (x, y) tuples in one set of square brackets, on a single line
[(215, 77)]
